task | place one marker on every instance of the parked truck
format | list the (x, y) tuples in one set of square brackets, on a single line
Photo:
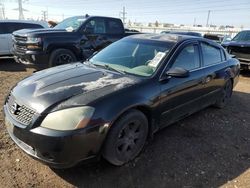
[(74, 39)]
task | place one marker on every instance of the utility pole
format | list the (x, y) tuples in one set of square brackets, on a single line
[(194, 22), (44, 15), (208, 16), (2, 11), (123, 13), (20, 9)]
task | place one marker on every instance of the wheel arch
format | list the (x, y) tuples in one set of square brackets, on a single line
[(73, 49), (142, 108)]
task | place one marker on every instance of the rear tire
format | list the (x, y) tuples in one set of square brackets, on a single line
[(226, 95), (61, 57), (126, 138)]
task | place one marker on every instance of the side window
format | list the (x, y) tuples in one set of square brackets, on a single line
[(188, 58), (211, 54), (30, 26), (96, 26), (2, 28), (10, 28), (114, 27)]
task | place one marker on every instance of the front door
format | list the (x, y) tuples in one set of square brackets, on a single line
[(182, 96), (96, 36)]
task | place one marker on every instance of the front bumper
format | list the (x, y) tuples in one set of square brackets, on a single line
[(31, 57), (244, 63), (58, 149)]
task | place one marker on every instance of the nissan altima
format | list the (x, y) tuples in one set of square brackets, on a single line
[(110, 104)]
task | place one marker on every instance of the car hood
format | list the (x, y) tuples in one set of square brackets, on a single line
[(50, 87), (41, 32), (237, 43)]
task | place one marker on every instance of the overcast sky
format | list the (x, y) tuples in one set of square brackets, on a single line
[(223, 12)]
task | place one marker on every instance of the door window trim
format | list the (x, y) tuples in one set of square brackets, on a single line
[(210, 65), (175, 54)]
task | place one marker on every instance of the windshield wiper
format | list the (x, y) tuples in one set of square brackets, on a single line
[(110, 68)]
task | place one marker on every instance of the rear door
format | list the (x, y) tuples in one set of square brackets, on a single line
[(183, 96), (215, 70)]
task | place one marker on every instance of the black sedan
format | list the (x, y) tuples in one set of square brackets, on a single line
[(109, 105)]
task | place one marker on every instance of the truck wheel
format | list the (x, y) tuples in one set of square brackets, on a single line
[(126, 138), (60, 57), (226, 95)]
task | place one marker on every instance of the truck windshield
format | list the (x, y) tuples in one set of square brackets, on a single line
[(138, 57), (71, 24), (242, 36)]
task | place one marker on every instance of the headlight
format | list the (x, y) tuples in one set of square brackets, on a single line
[(33, 40), (68, 119)]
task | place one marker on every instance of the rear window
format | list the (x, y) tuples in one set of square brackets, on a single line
[(8, 28)]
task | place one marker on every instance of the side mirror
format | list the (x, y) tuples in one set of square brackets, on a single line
[(228, 39), (177, 72)]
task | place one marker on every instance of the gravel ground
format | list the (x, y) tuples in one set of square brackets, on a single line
[(208, 149)]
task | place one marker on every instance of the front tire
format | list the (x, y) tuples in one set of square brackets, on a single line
[(126, 138), (226, 95), (61, 57)]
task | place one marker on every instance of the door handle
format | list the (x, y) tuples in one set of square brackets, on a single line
[(206, 80)]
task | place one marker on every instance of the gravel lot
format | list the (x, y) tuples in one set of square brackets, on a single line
[(209, 149)]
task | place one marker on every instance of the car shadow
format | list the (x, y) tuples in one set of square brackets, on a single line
[(11, 66), (207, 149), (245, 73)]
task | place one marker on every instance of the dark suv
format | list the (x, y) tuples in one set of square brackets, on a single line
[(240, 47)]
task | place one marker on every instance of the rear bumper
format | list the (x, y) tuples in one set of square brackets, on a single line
[(58, 149)]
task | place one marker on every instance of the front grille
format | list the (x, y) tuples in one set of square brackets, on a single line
[(20, 38), (20, 113), (20, 49), (19, 44), (240, 52)]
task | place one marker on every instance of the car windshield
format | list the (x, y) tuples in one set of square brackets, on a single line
[(138, 57), (242, 36), (71, 24)]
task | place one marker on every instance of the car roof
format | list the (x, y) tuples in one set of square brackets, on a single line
[(42, 23), (168, 37), (172, 38), (186, 33), (88, 16)]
